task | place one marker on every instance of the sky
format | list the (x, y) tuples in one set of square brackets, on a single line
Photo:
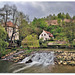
[(42, 8)]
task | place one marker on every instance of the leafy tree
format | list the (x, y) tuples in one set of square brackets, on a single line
[(30, 41), (49, 17), (63, 23), (41, 41), (54, 17), (55, 30), (40, 23), (59, 15), (3, 44), (24, 29), (73, 17), (63, 16), (59, 22), (69, 31), (36, 30)]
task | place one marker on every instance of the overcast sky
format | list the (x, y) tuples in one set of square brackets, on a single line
[(42, 9)]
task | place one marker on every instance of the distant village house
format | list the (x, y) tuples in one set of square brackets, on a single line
[(46, 35)]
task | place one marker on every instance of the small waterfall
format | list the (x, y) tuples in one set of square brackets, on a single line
[(43, 58)]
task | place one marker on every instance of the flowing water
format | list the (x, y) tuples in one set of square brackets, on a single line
[(38, 59), (37, 62)]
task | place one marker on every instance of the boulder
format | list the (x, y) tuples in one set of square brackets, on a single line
[(64, 63), (72, 63), (29, 61), (3, 57), (59, 62), (74, 58)]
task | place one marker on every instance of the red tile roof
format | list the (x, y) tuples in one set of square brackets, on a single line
[(50, 34), (10, 24)]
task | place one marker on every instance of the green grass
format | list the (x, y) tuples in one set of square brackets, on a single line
[(43, 49)]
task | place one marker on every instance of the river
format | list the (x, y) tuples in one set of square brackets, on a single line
[(41, 63)]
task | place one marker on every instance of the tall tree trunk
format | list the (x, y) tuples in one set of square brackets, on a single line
[(6, 16)]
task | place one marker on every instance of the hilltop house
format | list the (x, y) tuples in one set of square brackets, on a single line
[(46, 35), (55, 22), (10, 26), (67, 20), (52, 22)]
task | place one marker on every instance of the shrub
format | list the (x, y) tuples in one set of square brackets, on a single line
[(30, 41)]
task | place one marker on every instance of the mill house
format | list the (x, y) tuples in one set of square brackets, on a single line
[(10, 26)]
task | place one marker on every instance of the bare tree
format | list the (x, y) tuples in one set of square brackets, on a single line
[(5, 12), (15, 15)]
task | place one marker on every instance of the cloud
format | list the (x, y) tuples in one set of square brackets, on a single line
[(42, 9)]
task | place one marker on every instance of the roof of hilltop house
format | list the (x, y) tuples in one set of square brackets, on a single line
[(73, 21), (67, 20), (52, 22), (50, 34), (9, 24)]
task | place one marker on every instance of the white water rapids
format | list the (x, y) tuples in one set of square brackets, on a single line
[(44, 59)]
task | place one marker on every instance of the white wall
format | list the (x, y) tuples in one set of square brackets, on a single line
[(10, 31), (44, 37)]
